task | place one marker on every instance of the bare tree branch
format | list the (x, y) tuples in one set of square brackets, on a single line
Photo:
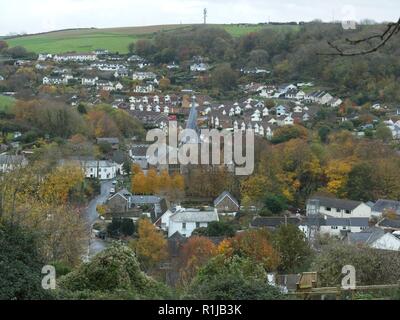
[(391, 30)]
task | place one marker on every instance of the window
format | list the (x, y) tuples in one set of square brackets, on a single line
[(348, 211), (197, 225), (338, 210), (328, 209), (334, 227), (184, 225)]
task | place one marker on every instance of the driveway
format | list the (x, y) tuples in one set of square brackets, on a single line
[(96, 245)]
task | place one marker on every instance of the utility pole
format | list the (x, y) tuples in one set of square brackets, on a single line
[(205, 15)]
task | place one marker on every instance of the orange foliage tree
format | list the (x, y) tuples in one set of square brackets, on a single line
[(254, 244), (195, 253)]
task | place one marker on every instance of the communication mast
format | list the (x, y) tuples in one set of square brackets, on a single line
[(205, 15)]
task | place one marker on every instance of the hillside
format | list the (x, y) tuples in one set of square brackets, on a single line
[(113, 39)]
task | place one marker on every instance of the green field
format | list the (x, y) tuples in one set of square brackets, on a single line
[(114, 39), (6, 103)]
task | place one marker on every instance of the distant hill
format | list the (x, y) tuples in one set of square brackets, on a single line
[(113, 39)]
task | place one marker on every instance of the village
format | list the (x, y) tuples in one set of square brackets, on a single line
[(144, 92)]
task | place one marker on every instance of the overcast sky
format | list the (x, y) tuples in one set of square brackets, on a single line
[(33, 16)]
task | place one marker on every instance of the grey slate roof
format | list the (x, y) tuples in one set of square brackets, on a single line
[(337, 203), (222, 197), (382, 204), (273, 222), (139, 150), (389, 223), (195, 216), (368, 236), (145, 200)]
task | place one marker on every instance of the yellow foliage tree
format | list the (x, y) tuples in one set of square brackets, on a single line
[(139, 183), (337, 174), (57, 186), (151, 246)]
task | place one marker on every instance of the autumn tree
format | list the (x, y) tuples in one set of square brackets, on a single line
[(150, 246), (60, 183), (195, 253), (138, 182), (254, 244), (337, 172)]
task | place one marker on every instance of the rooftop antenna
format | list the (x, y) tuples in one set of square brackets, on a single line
[(205, 15)]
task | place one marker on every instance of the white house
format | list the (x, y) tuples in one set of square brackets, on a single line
[(101, 169), (55, 80), (144, 76), (75, 57), (89, 81), (375, 238), (199, 67), (338, 208), (144, 89), (187, 220), (44, 56)]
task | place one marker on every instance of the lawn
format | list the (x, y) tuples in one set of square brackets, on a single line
[(6, 103), (114, 39), (82, 40)]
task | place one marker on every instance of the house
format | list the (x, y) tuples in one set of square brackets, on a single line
[(273, 223), (335, 102), (375, 238), (187, 220), (144, 76), (121, 73), (381, 206), (149, 88), (120, 201), (138, 155), (1, 78), (338, 208), (101, 52), (105, 85), (226, 202), (75, 57), (55, 80), (295, 94), (44, 56), (119, 86), (389, 225), (321, 97), (11, 162), (283, 89), (199, 67), (340, 226), (89, 81), (100, 169), (155, 203)]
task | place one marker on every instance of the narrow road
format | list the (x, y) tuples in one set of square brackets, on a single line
[(97, 245)]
